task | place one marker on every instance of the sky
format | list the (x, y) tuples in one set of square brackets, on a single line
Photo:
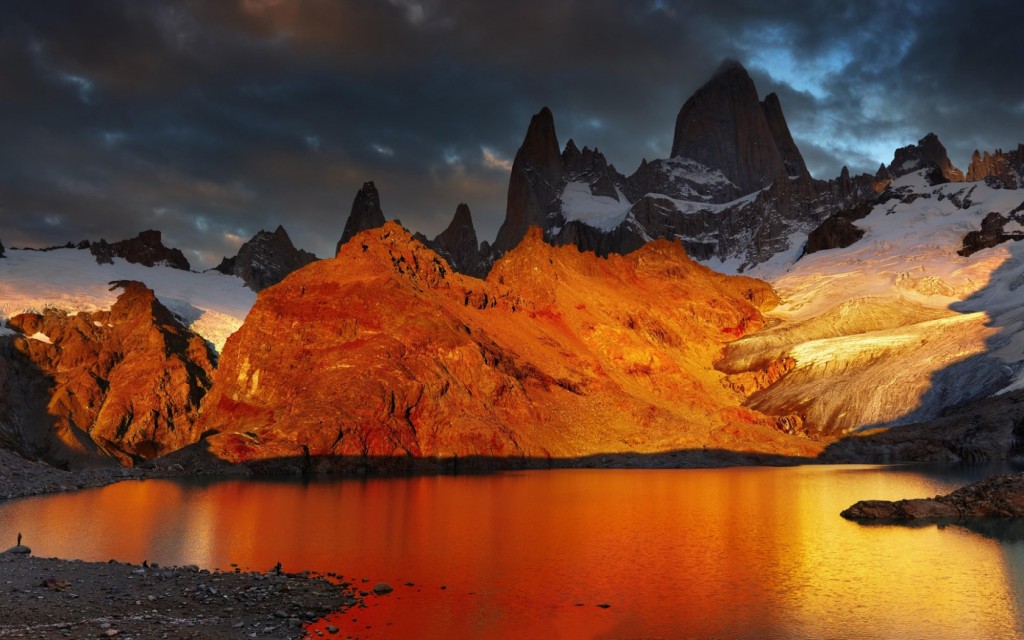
[(213, 119)]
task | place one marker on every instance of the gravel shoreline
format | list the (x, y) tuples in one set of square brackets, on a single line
[(59, 598), (53, 598), (20, 478)]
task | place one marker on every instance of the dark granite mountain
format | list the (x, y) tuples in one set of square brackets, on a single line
[(724, 126), (927, 153), (266, 259), (366, 214), (535, 183), (1005, 169), (735, 188), (458, 245), (147, 249)]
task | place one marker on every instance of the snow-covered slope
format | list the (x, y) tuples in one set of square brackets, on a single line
[(211, 304), (601, 212), (897, 326)]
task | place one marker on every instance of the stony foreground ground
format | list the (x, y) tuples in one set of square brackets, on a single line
[(51, 598), (54, 598)]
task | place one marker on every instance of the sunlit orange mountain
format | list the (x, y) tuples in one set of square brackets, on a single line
[(385, 351)]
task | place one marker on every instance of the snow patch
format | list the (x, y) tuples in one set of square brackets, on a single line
[(41, 337), (696, 173), (601, 212)]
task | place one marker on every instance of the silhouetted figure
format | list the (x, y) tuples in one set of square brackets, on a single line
[(19, 539)]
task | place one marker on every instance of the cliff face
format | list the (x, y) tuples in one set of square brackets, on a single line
[(1003, 168), (535, 182), (724, 126), (384, 351), (122, 384)]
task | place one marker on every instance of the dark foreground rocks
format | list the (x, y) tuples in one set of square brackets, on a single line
[(51, 598), (998, 496)]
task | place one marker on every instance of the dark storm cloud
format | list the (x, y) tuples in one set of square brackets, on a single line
[(211, 120)]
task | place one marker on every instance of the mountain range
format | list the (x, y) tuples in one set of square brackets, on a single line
[(875, 319)]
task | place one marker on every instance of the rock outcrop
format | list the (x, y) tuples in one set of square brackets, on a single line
[(366, 213), (384, 357), (994, 231), (266, 259), (458, 245), (1, 249), (927, 153), (838, 231), (725, 127), (996, 497), (147, 249), (1003, 169), (123, 384)]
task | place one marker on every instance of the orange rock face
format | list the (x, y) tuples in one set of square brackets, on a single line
[(124, 384), (384, 351)]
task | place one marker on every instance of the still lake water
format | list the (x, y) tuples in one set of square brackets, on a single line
[(721, 553)]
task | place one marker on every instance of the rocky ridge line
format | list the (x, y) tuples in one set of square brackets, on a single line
[(147, 249)]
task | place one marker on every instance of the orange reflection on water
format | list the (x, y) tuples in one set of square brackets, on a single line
[(755, 553)]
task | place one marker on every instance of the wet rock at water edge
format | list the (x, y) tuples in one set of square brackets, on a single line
[(998, 497)]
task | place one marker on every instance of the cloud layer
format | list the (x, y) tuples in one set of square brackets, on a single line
[(212, 120)]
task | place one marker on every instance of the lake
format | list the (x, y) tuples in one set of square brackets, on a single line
[(704, 553)]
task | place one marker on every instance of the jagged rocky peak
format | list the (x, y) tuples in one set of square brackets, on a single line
[(535, 183), (147, 249), (728, 144), (266, 259), (1002, 169), (366, 213), (723, 126), (791, 156), (458, 245), (540, 147), (572, 156), (927, 153)]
